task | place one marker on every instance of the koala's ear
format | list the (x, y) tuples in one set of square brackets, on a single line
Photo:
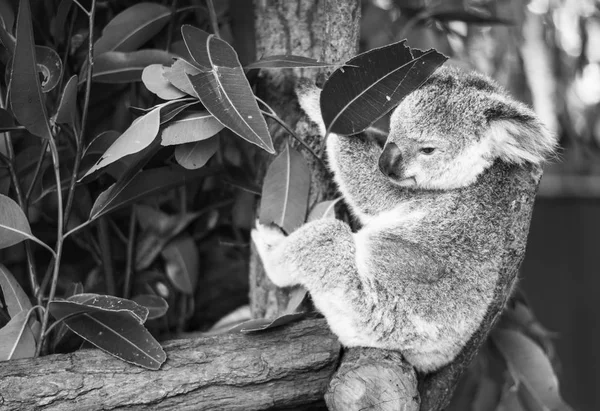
[(516, 134)]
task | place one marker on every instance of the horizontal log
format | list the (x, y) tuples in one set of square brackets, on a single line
[(288, 367)]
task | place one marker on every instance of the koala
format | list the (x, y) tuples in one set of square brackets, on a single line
[(432, 203)]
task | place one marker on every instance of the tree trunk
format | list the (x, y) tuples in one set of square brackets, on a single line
[(280, 369), (326, 30)]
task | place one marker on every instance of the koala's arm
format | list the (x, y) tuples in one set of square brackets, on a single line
[(336, 266), (354, 162)]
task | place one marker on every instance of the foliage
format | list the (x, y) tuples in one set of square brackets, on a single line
[(120, 123)]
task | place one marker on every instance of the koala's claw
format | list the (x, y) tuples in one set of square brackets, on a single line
[(267, 236)]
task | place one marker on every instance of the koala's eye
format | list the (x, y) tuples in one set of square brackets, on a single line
[(427, 150)]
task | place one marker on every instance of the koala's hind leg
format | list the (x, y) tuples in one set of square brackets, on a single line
[(320, 256)]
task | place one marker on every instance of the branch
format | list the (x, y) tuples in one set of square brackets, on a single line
[(285, 368)]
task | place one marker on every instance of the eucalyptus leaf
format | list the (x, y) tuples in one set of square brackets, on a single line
[(126, 67), (182, 264), (16, 339), (111, 303), (324, 209), (25, 91), (158, 229), (195, 155), (223, 89), (285, 191), (190, 127), (132, 28), (530, 366), (119, 333), (143, 184), (15, 298), (358, 94), (67, 108), (14, 226), (155, 81), (157, 306), (177, 75), (137, 137)]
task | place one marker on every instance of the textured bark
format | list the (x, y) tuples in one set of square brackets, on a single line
[(285, 368), (326, 30), (372, 379)]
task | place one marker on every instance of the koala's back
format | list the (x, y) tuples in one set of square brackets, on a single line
[(436, 312)]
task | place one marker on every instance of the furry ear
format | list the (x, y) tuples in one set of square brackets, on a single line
[(516, 134)]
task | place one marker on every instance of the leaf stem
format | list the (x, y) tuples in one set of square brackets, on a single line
[(86, 103), (129, 262), (36, 173), (61, 214), (84, 9), (214, 22), (59, 240), (296, 137)]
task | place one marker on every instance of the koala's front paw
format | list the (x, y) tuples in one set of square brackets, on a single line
[(266, 238)]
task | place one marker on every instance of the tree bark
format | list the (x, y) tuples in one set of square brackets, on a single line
[(285, 368), (326, 30)]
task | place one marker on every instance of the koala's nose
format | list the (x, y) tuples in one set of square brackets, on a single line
[(390, 160)]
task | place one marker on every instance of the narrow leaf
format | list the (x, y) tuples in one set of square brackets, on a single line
[(15, 298), (181, 264), (191, 127), (324, 209), (111, 303), (67, 109), (118, 333), (195, 155), (224, 89), (529, 365), (16, 339), (143, 184), (373, 83), (25, 92), (157, 306), (156, 82), (138, 136), (158, 229), (126, 67), (285, 191), (286, 61), (14, 226), (132, 28)]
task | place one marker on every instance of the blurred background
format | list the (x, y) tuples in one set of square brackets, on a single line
[(547, 54)]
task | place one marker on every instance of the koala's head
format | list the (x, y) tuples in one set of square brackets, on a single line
[(446, 133)]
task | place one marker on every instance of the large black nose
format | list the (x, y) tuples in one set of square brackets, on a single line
[(390, 161)]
